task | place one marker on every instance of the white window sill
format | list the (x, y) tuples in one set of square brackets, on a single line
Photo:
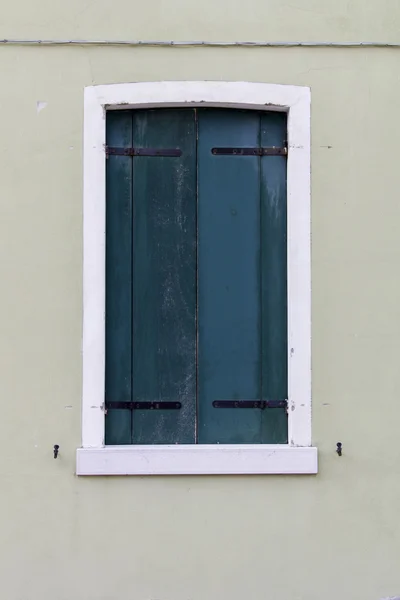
[(197, 460)]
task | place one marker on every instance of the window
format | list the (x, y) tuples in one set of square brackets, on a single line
[(196, 310), (196, 324)]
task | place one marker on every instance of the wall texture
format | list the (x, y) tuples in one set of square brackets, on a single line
[(333, 536)]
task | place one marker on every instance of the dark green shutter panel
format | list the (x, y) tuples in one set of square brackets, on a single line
[(151, 277), (229, 277), (118, 374), (164, 277), (242, 278), (274, 279)]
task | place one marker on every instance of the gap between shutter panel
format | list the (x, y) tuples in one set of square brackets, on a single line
[(196, 115)]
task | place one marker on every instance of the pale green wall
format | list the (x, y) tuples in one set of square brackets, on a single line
[(335, 536)]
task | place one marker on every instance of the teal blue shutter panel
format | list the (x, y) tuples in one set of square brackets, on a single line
[(242, 277), (274, 278), (229, 314), (164, 277), (118, 375)]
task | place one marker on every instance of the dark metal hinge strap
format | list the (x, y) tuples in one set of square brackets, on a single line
[(250, 404), (144, 405), (270, 151), (111, 151)]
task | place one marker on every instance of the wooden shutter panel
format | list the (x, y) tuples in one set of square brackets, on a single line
[(151, 277), (228, 277), (274, 279), (241, 278), (118, 375), (164, 277)]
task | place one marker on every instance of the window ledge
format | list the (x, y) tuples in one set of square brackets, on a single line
[(197, 460)]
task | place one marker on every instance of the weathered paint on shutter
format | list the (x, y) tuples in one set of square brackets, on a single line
[(118, 373), (229, 316), (164, 277), (242, 288), (274, 279)]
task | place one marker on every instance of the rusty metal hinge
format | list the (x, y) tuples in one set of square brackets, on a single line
[(250, 404), (111, 151), (143, 405), (269, 151)]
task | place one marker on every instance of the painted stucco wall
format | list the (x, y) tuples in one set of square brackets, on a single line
[(334, 536)]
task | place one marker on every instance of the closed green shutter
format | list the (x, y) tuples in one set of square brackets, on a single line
[(242, 277), (151, 278), (196, 291)]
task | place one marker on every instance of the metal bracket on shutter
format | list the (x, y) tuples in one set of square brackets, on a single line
[(111, 151), (144, 405), (270, 151), (250, 404)]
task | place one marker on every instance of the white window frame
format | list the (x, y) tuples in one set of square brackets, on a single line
[(296, 457)]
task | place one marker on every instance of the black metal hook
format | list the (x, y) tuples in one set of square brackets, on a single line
[(339, 449), (56, 447)]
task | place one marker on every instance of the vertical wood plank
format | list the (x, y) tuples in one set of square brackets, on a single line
[(118, 376), (229, 277), (164, 276), (274, 278)]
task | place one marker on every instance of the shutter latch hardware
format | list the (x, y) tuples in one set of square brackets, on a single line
[(270, 151), (111, 151), (250, 404), (144, 405)]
